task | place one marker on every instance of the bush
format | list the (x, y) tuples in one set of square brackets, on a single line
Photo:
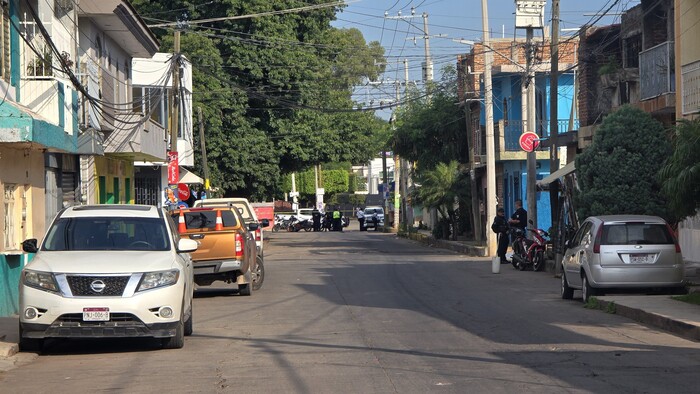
[(618, 172)]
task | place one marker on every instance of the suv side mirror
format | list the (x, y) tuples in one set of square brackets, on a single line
[(265, 222), (30, 245), (567, 243), (187, 245), (253, 226)]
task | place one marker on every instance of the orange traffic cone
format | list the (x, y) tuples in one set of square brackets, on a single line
[(219, 222), (181, 228)]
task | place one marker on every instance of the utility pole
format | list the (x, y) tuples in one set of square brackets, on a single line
[(490, 143), (529, 15), (175, 104), (554, 134), (531, 192), (428, 76), (203, 146)]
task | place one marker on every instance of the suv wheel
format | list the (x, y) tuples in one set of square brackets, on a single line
[(29, 344), (178, 341), (189, 322)]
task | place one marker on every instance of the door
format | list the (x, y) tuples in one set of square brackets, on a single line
[(572, 255), (52, 194)]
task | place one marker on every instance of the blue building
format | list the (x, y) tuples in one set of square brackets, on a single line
[(511, 160)]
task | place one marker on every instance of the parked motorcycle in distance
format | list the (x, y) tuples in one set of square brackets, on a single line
[(529, 253)]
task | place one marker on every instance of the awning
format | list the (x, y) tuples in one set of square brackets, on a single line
[(551, 178), (189, 177)]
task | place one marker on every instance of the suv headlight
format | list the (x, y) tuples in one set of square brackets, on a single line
[(152, 280), (40, 280)]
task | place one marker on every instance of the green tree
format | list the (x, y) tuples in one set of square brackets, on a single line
[(618, 172), (445, 188), (276, 90), (680, 176), (432, 130)]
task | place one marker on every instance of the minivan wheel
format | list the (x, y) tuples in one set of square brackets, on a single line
[(587, 290), (567, 292)]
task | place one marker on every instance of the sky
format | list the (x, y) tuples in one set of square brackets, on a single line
[(456, 19)]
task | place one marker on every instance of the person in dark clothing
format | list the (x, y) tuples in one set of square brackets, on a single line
[(500, 227), (328, 219), (519, 217), (316, 217)]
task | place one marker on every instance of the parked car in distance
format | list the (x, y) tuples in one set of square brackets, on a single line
[(247, 213), (369, 213), (622, 252), (227, 250), (107, 271)]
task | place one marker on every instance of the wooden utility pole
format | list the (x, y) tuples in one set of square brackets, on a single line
[(554, 134), (202, 144)]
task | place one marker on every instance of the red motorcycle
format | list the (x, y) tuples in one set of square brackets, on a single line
[(529, 253)]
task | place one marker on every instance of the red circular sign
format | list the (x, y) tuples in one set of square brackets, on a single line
[(183, 192), (528, 141)]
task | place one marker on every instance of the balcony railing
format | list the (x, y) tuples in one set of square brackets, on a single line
[(509, 132), (137, 137), (656, 71)]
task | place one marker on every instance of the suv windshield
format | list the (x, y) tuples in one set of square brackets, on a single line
[(636, 234), (107, 233)]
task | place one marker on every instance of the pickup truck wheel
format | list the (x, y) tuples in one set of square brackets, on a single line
[(258, 274)]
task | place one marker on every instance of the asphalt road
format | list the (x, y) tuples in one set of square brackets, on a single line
[(366, 312)]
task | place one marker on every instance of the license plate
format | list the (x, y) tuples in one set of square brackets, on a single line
[(640, 258), (95, 314)]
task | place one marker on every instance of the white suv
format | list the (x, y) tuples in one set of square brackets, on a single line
[(107, 271)]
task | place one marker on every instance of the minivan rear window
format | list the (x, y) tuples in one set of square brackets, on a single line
[(636, 234)]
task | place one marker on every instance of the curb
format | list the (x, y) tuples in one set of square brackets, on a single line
[(8, 349), (678, 327), (470, 250)]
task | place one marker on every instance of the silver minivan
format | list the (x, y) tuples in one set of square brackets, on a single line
[(622, 252)]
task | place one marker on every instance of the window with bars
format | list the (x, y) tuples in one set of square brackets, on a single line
[(10, 241), (5, 42)]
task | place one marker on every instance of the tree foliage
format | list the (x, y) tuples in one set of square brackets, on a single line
[(276, 90), (444, 188), (680, 176), (431, 129), (618, 172)]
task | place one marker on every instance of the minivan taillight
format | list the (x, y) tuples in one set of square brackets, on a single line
[(598, 239), (675, 239), (258, 234), (239, 245)]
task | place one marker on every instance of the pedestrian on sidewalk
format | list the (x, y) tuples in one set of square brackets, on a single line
[(500, 227), (361, 218)]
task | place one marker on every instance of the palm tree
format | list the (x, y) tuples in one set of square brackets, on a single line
[(680, 177), (443, 188)]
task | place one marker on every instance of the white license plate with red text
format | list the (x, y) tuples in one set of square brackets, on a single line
[(95, 314)]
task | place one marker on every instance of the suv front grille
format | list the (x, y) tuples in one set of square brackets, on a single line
[(90, 285)]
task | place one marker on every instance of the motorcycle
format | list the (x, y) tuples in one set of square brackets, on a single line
[(529, 253)]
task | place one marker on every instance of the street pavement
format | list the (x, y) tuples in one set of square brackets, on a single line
[(368, 312)]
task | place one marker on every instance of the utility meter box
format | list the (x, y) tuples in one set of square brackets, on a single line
[(529, 14)]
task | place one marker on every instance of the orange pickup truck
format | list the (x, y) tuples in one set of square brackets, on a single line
[(226, 251)]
